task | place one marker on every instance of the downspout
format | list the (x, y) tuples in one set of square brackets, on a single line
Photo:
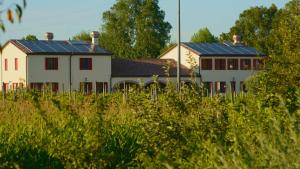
[(26, 80)]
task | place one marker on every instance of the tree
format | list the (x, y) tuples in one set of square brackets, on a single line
[(82, 36), (13, 11), (204, 36), (255, 25), (135, 29), (30, 37)]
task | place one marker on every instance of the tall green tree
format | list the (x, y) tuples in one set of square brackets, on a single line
[(30, 37), (82, 36), (135, 29), (255, 25), (204, 36)]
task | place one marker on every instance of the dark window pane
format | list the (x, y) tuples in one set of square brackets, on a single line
[(220, 64), (51, 63), (232, 64), (86, 63), (245, 64), (206, 64)]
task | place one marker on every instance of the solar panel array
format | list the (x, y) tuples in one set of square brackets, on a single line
[(60, 47), (217, 49)]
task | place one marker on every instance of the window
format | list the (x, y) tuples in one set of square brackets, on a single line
[(5, 64), (36, 86), (86, 64), (16, 63), (51, 63), (220, 87), (245, 64), (53, 86), (220, 64), (206, 64), (232, 64), (86, 87), (5, 87), (101, 87), (256, 64)]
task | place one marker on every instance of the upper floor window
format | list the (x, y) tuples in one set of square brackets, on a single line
[(51, 63), (256, 64), (206, 64), (220, 64), (86, 64), (232, 64), (245, 64), (5, 64), (16, 63)]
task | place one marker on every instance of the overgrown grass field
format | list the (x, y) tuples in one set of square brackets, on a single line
[(142, 130)]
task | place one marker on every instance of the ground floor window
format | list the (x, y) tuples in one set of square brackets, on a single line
[(220, 87), (101, 87), (36, 86), (243, 87), (53, 86), (86, 87)]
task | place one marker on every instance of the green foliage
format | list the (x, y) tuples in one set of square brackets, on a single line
[(204, 36), (135, 29), (82, 36), (165, 130), (30, 37)]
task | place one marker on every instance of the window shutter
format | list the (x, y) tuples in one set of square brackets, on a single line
[(16, 64)]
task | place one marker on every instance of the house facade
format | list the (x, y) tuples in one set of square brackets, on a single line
[(77, 66), (222, 67)]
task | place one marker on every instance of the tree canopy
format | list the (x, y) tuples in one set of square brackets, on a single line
[(82, 36), (204, 36), (255, 26), (135, 29), (30, 37)]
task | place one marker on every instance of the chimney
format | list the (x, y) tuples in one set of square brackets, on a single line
[(237, 39), (49, 36), (95, 37)]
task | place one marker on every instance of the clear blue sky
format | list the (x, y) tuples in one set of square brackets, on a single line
[(65, 18)]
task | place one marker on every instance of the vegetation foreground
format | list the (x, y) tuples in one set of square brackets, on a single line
[(143, 130)]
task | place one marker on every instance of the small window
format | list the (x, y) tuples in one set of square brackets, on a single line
[(86, 87), (245, 64), (220, 64), (51, 63), (232, 64), (101, 87), (36, 86), (256, 64), (5, 64), (86, 64), (220, 87), (206, 64), (16, 63)]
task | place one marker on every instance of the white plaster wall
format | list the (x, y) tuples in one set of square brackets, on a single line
[(101, 71), (10, 52), (185, 53)]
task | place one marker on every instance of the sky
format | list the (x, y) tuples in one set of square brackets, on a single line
[(65, 18)]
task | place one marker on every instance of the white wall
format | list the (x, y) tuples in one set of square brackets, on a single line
[(101, 71), (10, 52), (185, 53)]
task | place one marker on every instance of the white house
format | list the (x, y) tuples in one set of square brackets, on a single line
[(76, 66), (222, 67)]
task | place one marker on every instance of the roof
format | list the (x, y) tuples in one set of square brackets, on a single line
[(219, 49), (146, 68), (58, 47)]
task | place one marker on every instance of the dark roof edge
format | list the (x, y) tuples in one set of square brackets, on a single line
[(67, 53), (124, 76)]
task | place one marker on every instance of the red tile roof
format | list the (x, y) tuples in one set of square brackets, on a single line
[(146, 68)]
